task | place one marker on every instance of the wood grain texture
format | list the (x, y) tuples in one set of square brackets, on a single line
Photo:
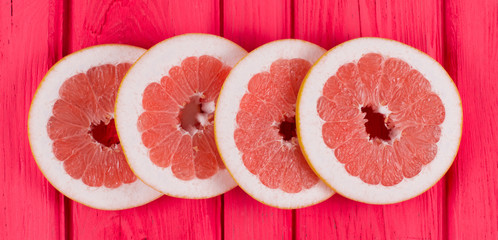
[(246, 218), (165, 218), (30, 208), (141, 23), (327, 23), (251, 24), (419, 24), (472, 61), (144, 23)]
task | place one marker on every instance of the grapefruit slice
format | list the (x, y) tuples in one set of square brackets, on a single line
[(255, 128), (71, 129), (164, 115), (379, 121)]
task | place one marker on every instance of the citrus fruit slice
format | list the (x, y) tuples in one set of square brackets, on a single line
[(71, 129), (255, 128), (164, 115), (379, 121)]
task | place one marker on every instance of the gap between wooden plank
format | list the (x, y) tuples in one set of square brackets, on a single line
[(222, 197), (66, 27), (293, 35), (67, 218), (59, 52), (445, 63), (65, 40), (294, 224), (222, 217), (222, 20), (292, 19)]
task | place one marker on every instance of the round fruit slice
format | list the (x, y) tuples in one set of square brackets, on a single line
[(164, 115), (255, 129), (71, 129), (379, 121)]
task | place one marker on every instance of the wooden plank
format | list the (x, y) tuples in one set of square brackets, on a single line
[(251, 24), (245, 218), (326, 23), (30, 43), (472, 60), (417, 23), (144, 23), (141, 23), (166, 218)]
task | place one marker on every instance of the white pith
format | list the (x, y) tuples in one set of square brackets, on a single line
[(234, 88), (126, 195), (151, 67), (323, 159)]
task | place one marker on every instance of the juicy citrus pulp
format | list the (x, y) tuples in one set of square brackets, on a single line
[(177, 124), (78, 124), (164, 115), (379, 121), (75, 142), (255, 125), (399, 143), (265, 125)]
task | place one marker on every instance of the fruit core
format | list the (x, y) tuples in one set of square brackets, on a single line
[(194, 114), (104, 133), (376, 125), (287, 128)]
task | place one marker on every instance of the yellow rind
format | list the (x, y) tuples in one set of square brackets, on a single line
[(116, 115), (218, 144), (29, 132), (298, 125)]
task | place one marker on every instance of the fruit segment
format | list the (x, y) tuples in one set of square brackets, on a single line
[(177, 122), (82, 128), (265, 133), (402, 101)]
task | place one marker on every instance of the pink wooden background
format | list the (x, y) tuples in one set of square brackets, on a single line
[(461, 34)]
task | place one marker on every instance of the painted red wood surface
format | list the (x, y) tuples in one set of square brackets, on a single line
[(460, 34), (30, 208), (472, 60)]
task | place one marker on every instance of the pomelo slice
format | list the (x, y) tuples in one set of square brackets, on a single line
[(164, 115), (71, 129), (255, 127), (379, 121)]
